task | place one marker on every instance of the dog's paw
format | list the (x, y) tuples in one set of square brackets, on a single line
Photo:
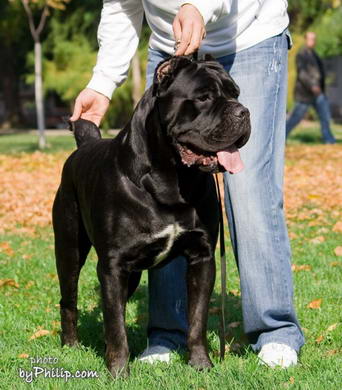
[(200, 362), (69, 340), (118, 371)]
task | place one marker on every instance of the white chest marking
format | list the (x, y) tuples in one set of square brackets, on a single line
[(171, 232)]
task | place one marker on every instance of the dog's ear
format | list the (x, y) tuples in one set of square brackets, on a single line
[(232, 87), (167, 69), (209, 57)]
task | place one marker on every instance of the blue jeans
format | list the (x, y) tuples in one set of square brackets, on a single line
[(321, 105), (254, 206)]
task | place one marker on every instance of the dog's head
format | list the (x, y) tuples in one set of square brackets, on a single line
[(197, 104)]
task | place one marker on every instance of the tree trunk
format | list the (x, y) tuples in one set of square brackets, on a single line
[(38, 84), (136, 78)]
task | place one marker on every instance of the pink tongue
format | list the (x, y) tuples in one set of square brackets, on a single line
[(230, 160)]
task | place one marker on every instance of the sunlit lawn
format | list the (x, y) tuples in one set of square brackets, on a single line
[(29, 296)]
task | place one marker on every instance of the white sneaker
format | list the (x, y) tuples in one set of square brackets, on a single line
[(155, 353), (275, 354)]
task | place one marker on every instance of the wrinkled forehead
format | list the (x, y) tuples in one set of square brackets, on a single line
[(200, 77)]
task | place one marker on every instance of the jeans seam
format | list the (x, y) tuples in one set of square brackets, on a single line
[(274, 217)]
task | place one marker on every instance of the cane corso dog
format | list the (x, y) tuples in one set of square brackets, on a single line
[(147, 196)]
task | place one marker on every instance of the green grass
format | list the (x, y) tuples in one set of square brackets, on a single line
[(27, 142), (310, 134), (32, 304)]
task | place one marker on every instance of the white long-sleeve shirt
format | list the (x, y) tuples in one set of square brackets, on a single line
[(231, 26)]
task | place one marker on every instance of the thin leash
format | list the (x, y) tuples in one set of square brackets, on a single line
[(222, 330)]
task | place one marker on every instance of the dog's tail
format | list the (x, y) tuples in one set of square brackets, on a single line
[(84, 131)]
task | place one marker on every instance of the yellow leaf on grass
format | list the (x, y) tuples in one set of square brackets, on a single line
[(303, 267), (319, 339), (335, 263), (39, 333), (8, 282), (337, 227), (331, 352), (293, 235), (292, 380), (332, 327), (316, 304), (29, 284), (338, 251), (23, 356), (317, 240), (6, 248)]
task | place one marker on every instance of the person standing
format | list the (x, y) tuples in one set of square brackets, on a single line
[(310, 89), (250, 39)]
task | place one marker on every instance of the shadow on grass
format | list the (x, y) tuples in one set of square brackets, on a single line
[(91, 332)]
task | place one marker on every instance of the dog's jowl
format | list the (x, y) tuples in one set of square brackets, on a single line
[(147, 196)]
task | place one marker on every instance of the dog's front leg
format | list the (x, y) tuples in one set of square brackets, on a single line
[(114, 290), (200, 280)]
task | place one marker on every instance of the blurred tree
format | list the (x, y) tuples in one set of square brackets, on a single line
[(15, 43), (31, 8), (305, 12), (70, 54)]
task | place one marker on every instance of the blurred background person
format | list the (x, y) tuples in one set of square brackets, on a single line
[(310, 89)]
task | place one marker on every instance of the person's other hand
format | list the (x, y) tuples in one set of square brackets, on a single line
[(189, 30), (316, 90), (90, 105)]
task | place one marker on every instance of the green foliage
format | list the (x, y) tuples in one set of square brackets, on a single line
[(329, 32), (304, 12)]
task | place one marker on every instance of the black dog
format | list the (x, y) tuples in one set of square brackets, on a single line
[(147, 196)]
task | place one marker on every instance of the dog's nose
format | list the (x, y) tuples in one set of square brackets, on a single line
[(240, 111)]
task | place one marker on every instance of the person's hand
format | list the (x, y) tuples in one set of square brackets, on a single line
[(189, 30), (90, 105), (316, 90)]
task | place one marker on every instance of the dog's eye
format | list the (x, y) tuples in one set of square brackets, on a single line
[(203, 98)]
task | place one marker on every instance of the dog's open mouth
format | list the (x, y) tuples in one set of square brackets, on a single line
[(224, 160)]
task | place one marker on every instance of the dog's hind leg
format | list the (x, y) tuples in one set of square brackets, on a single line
[(72, 246), (114, 290)]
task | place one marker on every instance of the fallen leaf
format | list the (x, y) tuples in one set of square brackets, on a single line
[(27, 257), (319, 339), (316, 304), (29, 284), (23, 356), (331, 352), (335, 263), (317, 240), (8, 282), (39, 333), (303, 267), (337, 227), (338, 251), (332, 327), (234, 324), (293, 235), (292, 380), (6, 248)]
